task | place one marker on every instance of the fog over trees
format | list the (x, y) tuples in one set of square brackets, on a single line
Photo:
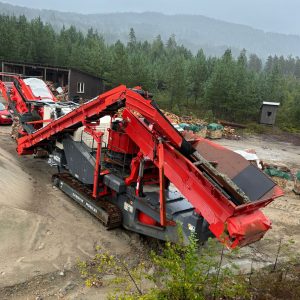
[(212, 87)]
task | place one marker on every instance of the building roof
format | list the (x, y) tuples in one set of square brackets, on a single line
[(53, 67), (7, 61), (91, 75), (271, 103)]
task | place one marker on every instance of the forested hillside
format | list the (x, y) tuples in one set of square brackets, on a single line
[(212, 87), (193, 31)]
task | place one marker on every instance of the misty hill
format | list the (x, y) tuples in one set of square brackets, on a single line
[(194, 31)]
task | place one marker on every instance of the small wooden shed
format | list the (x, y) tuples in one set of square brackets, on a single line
[(268, 112)]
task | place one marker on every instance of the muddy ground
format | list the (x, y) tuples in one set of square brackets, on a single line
[(43, 233)]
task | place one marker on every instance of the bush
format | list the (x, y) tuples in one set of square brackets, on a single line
[(179, 273)]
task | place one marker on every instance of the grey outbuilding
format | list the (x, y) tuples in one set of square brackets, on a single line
[(268, 112)]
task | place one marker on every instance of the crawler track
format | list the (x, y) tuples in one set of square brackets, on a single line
[(108, 213)]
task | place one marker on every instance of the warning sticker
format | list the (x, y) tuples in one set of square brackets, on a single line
[(191, 227), (128, 207)]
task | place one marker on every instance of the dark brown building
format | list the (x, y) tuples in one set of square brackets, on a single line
[(78, 84), (84, 85)]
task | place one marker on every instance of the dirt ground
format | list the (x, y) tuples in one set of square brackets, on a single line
[(43, 233), (284, 212)]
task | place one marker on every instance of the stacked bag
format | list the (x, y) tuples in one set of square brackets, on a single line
[(199, 129), (215, 131), (297, 184)]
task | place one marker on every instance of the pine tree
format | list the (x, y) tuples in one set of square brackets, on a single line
[(242, 59), (132, 40), (171, 43), (176, 81), (220, 87), (197, 76), (297, 69), (269, 64), (254, 63), (120, 72), (158, 50)]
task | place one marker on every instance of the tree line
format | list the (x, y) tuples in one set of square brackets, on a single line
[(225, 87)]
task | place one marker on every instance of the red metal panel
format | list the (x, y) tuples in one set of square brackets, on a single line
[(136, 102), (200, 192), (120, 142), (76, 116), (26, 91), (162, 198)]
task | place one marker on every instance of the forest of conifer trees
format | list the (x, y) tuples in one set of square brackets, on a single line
[(226, 87)]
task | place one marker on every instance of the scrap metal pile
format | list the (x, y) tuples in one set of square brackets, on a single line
[(61, 93)]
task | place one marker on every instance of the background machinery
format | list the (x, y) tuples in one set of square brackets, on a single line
[(120, 158)]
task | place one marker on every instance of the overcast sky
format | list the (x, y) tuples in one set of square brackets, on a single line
[(269, 15)]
